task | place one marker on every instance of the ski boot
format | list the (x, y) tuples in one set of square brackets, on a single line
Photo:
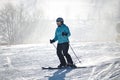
[(62, 66), (71, 65)]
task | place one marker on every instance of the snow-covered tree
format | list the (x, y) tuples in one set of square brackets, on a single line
[(15, 23)]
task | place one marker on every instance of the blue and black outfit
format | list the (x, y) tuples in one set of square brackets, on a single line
[(62, 34)]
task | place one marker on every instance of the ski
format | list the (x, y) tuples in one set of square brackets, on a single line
[(51, 68)]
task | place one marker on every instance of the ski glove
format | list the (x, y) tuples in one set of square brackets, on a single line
[(52, 41), (64, 34)]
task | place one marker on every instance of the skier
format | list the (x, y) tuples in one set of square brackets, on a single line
[(61, 35)]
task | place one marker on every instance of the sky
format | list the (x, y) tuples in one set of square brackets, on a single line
[(94, 20), (67, 9), (54, 8)]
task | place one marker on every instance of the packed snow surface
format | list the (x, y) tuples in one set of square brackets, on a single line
[(24, 62)]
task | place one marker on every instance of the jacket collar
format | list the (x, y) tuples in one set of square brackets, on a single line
[(61, 25)]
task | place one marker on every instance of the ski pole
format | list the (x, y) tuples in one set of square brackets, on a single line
[(54, 46), (75, 54)]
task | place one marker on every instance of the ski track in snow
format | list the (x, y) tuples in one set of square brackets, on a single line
[(24, 62)]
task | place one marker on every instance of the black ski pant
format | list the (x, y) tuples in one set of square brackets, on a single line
[(63, 55)]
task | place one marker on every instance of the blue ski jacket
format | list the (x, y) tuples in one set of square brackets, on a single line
[(59, 36)]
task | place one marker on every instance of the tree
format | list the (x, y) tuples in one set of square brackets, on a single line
[(14, 23)]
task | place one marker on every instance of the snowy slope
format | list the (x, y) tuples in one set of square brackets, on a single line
[(24, 62)]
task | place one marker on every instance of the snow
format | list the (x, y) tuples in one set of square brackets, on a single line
[(24, 62)]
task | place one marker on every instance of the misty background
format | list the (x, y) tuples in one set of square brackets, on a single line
[(33, 21)]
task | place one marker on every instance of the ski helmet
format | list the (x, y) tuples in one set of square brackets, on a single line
[(60, 20)]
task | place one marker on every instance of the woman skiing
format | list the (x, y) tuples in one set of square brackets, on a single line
[(62, 34)]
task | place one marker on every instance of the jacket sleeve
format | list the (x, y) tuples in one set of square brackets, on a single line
[(55, 38), (68, 32)]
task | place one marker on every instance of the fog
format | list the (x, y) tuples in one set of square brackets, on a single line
[(88, 20)]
